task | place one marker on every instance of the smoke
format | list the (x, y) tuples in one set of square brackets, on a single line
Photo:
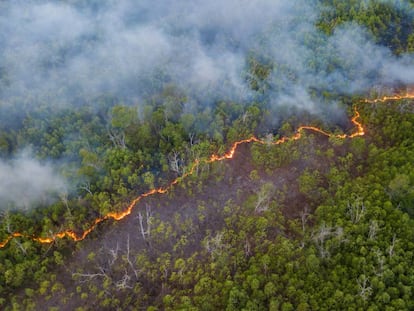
[(69, 49), (346, 63), (365, 64), (25, 181), (60, 53)]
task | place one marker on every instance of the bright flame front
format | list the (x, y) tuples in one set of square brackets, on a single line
[(214, 158)]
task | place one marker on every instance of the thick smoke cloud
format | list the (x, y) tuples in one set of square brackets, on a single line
[(60, 53), (24, 181), (68, 49)]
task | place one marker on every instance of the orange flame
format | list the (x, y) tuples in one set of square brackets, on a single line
[(407, 95), (214, 158)]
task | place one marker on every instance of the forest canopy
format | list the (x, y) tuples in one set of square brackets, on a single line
[(103, 101)]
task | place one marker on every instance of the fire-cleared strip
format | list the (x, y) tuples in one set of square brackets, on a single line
[(214, 158)]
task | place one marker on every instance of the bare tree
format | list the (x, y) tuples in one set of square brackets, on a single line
[(392, 246), (304, 214), (245, 116), (117, 138), (247, 248), (263, 197), (21, 246), (215, 245), (365, 288), (320, 238), (85, 277), (373, 229), (191, 136), (381, 261), (64, 198), (123, 283), (356, 210), (176, 163), (323, 234), (145, 232), (128, 259), (115, 265), (86, 186), (114, 254)]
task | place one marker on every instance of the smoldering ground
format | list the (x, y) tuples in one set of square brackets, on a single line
[(53, 53)]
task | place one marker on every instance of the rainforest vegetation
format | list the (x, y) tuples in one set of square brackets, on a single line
[(318, 223)]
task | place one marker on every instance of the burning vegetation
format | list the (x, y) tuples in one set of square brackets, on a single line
[(212, 155)]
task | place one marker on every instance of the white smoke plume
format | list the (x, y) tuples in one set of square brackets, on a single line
[(25, 181), (58, 51)]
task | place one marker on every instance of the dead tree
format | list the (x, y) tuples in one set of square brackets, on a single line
[(123, 283), (263, 197), (176, 163), (304, 214), (116, 265), (64, 198), (145, 232), (392, 246), (86, 186), (128, 259), (373, 229), (325, 233), (247, 248), (320, 238), (114, 254), (381, 262), (85, 277), (191, 137), (365, 288), (356, 210), (245, 116), (215, 245), (117, 138), (21, 246)]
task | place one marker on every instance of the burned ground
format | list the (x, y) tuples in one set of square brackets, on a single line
[(194, 211)]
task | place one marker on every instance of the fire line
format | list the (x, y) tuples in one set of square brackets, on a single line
[(213, 158)]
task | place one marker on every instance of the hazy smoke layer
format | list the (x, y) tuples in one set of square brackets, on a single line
[(24, 181), (58, 51), (68, 52)]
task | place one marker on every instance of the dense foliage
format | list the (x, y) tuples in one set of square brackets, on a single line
[(312, 224), (390, 23), (322, 224)]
